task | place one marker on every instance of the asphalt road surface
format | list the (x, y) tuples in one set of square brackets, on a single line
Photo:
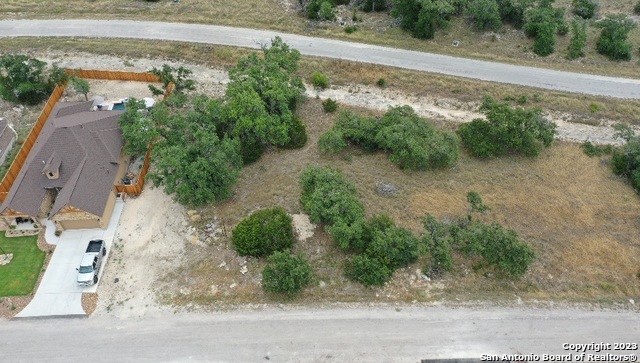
[(333, 335), (251, 38)]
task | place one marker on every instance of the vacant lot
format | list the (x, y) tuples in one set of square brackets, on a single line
[(509, 45), (581, 221), (20, 275)]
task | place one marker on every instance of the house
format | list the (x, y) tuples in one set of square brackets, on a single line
[(7, 137), (71, 171)]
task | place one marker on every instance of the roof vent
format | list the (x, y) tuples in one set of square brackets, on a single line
[(52, 167)]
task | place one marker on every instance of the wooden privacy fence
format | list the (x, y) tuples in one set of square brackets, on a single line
[(25, 149), (136, 188), (113, 75)]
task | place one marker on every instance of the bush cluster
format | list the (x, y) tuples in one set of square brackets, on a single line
[(318, 9), (382, 247), (263, 232), (596, 150), (24, 79), (413, 143), (585, 9), (613, 38), (329, 198), (507, 130), (578, 40), (542, 22), (498, 246), (286, 273), (485, 15), (625, 161)]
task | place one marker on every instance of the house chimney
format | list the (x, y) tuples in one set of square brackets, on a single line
[(52, 167)]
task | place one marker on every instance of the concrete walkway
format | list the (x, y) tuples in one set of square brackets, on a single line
[(59, 293)]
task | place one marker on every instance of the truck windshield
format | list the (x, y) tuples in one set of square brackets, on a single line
[(86, 269)]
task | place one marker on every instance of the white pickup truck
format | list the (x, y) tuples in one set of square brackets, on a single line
[(91, 263)]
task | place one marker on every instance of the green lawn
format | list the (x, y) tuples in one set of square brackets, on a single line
[(20, 275)]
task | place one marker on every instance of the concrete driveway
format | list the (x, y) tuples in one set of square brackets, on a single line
[(58, 293)]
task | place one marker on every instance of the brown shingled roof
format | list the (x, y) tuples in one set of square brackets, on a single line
[(88, 144)]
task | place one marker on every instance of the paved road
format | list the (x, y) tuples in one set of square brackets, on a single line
[(211, 34), (338, 335)]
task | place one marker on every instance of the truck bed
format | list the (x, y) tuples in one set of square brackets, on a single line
[(95, 246)]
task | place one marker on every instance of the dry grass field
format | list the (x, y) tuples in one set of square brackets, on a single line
[(509, 45), (580, 219)]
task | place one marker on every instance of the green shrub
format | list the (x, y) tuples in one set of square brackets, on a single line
[(286, 273), (507, 130), (636, 8), (585, 9), (381, 82), (251, 150), (367, 270), (596, 150), (329, 105), (485, 14), (613, 38), (348, 235), (350, 29), (394, 247), (360, 130), (327, 11), (625, 161), (578, 40), (332, 142), (423, 18), (545, 42), (438, 245), (374, 5), (377, 223), (543, 22), (498, 246), (319, 80), (441, 258), (297, 134), (23, 79), (414, 143), (313, 8), (263, 233), (475, 202)]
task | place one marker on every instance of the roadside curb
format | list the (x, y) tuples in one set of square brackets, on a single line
[(43, 317)]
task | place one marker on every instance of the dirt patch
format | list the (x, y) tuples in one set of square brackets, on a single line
[(149, 242), (303, 226), (89, 302)]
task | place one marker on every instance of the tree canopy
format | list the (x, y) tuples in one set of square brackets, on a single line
[(507, 130), (613, 38), (26, 80)]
